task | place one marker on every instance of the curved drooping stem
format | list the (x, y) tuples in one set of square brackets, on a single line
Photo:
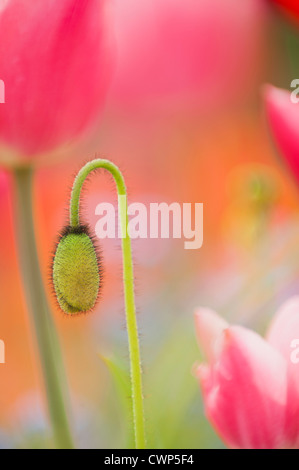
[(128, 279)]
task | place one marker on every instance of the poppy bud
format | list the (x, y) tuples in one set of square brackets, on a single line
[(76, 271)]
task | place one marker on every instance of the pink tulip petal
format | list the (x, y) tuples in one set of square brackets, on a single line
[(178, 50), (283, 334), (285, 327), (290, 6), (245, 391), (55, 64), (283, 117), (209, 326)]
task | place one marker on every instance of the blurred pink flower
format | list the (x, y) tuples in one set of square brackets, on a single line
[(291, 6), (55, 62), (250, 385), (283, 118), (204, 53)]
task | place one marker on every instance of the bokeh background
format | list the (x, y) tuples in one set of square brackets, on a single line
[(184, 120)]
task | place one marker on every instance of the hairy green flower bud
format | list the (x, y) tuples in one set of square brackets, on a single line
[(76, 271)]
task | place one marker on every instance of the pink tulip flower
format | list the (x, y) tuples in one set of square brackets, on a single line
[(55, 62), (283, 117), (204, 53), (250, 385)]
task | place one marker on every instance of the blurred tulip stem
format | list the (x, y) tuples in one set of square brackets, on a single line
[(128, 279), (41, 320)]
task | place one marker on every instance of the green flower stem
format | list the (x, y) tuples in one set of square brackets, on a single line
[(128, 278), (47, 340)]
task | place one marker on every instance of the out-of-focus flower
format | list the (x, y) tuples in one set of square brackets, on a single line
[(250, 385), (291, 6), (201, 53), (283, 117), (253, 191), (55, 62)]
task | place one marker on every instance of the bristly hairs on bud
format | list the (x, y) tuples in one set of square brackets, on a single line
[(76, 270)]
